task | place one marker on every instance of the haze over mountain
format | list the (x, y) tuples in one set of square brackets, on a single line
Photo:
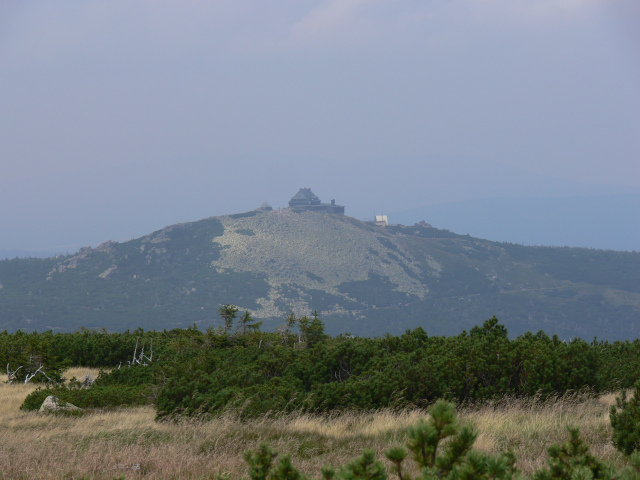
[(455, 193), (363, 279), (122, 117), (599, 221)]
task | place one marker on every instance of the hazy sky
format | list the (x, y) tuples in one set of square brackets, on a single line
[(121, 117)]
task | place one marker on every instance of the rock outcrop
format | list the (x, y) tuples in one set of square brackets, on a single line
[(53, 404)]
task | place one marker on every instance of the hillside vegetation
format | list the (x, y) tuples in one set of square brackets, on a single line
[(188, 372), (348, 403), (362, 279)]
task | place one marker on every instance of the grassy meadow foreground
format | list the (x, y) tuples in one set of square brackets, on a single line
[(128, 441), (188, 403)]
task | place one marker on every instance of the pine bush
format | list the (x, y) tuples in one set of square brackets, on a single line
[(625, 420)]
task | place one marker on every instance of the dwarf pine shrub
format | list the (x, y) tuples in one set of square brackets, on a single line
[(572, 460), (94, 397), (453, 460), (625, 420)]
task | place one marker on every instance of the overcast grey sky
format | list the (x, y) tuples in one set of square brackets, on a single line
[(118, 117)]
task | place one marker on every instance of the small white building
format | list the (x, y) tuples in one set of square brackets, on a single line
[(381, 220)]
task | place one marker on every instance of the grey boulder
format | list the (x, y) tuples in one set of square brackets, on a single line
[(54, 404)]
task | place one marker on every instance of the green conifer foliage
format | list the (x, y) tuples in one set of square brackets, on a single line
[(625, 420), (364, 468), (286, 471), (572, 461), (260, 462), (456, 459), (228, 314)]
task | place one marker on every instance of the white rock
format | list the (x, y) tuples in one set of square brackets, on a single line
[(54, 404)]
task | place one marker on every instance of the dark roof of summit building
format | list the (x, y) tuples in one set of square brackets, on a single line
[(307, 200), (304, 197)]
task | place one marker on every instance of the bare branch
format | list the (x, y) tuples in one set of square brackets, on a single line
[(88, 379), (42, 372), (29, 377), (143, 356), (136, 350), (39, 370), (11, 376)]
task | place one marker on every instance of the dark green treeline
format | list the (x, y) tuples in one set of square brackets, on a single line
[(195, 372)]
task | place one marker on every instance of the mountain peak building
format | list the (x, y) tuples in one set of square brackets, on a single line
[(305, 199)]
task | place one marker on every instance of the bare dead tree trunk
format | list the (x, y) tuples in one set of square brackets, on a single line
[(88, 380), (39, 370), (142, 358), (135, 351), (11, 376)]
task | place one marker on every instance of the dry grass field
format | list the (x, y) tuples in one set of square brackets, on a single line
[(108, 444)]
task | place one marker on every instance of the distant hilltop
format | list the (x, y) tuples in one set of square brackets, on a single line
[(362, 278), (305, 199)]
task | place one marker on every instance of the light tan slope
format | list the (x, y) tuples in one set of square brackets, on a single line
[(313, 251)]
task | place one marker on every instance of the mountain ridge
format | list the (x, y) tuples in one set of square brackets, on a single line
[(363, 279), (581, 221)]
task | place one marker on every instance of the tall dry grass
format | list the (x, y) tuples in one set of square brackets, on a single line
[(80, 372), (529, 426), (107, 444)]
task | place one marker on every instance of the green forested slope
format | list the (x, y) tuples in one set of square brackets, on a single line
[(362, 279)]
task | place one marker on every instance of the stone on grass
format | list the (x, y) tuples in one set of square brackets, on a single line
[(54, 404)]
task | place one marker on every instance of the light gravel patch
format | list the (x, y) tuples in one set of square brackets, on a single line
[(287, 246)]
